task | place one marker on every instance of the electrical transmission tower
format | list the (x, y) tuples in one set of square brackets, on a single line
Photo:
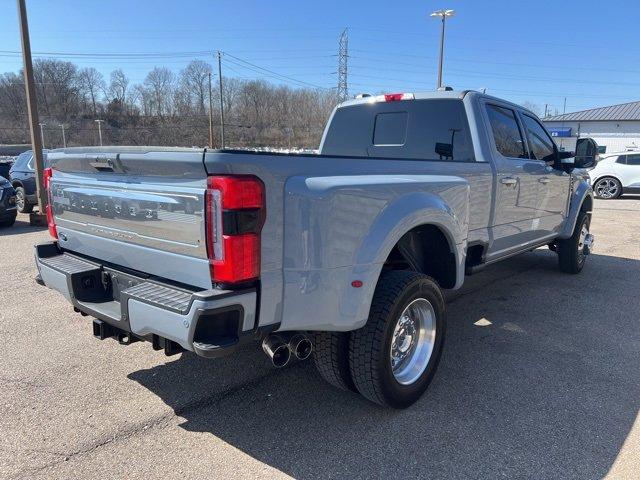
[(343, 68)]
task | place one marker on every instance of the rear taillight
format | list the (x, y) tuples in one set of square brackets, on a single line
[(51, 222), (235, 213)]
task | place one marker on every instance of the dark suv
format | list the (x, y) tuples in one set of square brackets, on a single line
[(23, 179), (7, 203)]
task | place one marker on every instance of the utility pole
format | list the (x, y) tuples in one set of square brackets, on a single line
[(343, 67), (32, 111), (442, 14), (99, 122), (210, 114), (64, 139), (546, 105), (42, 125), (221, 102)]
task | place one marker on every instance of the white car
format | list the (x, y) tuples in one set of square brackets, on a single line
[(616, 174)]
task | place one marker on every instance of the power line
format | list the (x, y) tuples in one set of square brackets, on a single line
[(252, 66)]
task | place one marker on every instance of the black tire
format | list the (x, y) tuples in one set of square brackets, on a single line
[(8, 223), (570, 260), (611, 183), (21, 201), (370, 346), (331, 358)]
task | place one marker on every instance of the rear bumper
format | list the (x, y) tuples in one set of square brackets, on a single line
[(211, 323)]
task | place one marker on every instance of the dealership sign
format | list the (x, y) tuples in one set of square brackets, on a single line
[(560, 131)]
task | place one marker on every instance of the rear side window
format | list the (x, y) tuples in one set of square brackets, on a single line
[(506, 132), (390, 128), (633, 159)]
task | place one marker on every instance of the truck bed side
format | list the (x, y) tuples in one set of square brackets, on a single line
[(328, 223)]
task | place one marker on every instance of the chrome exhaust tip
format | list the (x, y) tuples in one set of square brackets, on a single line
[(300, 346), (277, 350)]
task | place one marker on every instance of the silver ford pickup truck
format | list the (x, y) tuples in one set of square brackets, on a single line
[(341, 255)]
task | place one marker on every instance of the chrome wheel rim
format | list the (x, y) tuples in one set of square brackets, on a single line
[(607, 188), (581, 241), (412, 342)]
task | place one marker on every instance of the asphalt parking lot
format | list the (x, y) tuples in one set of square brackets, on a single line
[(540, 378)]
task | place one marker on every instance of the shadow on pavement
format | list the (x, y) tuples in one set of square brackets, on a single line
[(548, 387), (20, 227)]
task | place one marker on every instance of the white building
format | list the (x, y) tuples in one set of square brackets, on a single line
[(615, 128)]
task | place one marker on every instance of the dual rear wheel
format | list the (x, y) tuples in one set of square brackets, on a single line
[(393, 358)]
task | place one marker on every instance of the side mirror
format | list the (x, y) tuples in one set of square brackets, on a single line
[(586, 153)]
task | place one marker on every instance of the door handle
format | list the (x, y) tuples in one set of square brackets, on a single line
[(543, 180), (509, 181)]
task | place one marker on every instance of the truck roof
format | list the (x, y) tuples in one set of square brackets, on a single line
[(429, 95), (437, 94)]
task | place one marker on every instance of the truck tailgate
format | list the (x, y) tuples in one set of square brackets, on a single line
[(139, 208)]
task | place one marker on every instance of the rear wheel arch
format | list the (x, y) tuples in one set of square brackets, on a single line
[(426, 249), (587, 205)]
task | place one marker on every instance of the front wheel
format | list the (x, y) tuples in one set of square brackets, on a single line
[(573, 251), (393, 358)]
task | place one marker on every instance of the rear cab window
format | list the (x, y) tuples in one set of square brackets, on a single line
[(390, 129), (421, 129), (507, 136)]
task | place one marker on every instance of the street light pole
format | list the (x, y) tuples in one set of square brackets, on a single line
[(99, 122), (443, 14), (64, 139), (42, 132)]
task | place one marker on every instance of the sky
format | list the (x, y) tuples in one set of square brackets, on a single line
[(526, 51)]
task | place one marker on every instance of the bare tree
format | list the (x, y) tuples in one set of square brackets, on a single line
[(12, 96), (194, 84), (58, 87), (165, 109), (119, 86), (533, 107), (92, 85), (160, 84)]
